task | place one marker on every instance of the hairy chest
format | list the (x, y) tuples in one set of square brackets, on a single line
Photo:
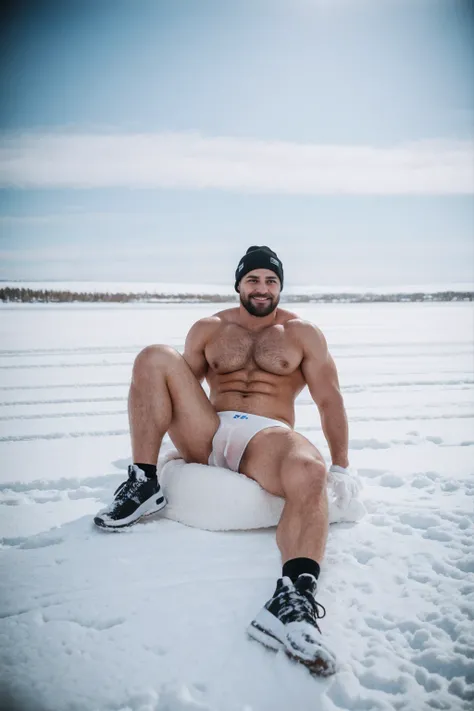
[(234, 348)]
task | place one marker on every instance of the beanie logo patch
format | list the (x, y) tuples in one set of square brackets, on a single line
[(241, 266), (274, 261)]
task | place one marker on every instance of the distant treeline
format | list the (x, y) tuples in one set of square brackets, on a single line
[(57, 296), (28, 296)]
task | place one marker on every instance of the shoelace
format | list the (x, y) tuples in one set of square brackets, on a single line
[(318, 609), (303, 603), (127, 485)]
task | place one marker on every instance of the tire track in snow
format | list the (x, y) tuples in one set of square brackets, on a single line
[(415, 355), (57, 386), (63, 401), (359, 444), (455, 346), (63, 435), (463, 383), (63, 484), (40, 352), (98, 413), (371, 443), (107, 364), (401, 344), (408, 383), (399, 418), (60, 415), (99, 364)]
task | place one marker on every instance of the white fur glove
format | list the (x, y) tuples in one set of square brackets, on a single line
[(345, 483)]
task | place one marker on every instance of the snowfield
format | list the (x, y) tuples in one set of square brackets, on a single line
[(154, 618)]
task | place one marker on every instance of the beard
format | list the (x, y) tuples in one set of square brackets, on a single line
[(259, 309)]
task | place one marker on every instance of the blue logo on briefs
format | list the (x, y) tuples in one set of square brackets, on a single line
[(241, 417)]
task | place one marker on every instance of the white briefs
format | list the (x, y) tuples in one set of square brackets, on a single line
[(235, 431)]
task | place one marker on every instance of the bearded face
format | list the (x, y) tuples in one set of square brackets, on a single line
[(260, 292)]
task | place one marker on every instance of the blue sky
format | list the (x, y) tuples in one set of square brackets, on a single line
[(158, 140)]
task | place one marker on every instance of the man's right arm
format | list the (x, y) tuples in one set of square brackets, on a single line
[(194, 347)]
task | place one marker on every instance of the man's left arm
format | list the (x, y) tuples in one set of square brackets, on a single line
[(320, 374)]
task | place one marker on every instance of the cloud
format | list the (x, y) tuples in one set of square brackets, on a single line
[(191, 161)]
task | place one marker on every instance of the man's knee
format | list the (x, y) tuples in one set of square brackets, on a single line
[(303, 475), (153, 357)]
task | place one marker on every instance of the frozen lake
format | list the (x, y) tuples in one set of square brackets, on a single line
[(154, 620)]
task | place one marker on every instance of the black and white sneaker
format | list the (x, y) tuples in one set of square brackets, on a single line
[(289, 621), (135, 498)]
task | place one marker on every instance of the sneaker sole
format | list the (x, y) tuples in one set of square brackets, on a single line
[(259, 631), (148, 508)]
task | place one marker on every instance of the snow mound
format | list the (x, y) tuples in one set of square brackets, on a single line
[(218, 499)]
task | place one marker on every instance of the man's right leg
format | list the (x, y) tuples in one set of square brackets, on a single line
[(164, 397)]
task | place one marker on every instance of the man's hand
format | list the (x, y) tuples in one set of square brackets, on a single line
[(345, 483)]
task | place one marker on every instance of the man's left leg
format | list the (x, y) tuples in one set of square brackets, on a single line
[(286, 464)]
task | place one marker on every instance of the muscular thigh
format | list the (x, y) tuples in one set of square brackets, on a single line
[(267, 451), (194, 420)]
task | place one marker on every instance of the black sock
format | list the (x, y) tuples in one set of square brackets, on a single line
[(297, 566), (149, 469)]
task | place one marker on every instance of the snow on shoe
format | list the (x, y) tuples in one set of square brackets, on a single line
[(289, 621), (135, 498)]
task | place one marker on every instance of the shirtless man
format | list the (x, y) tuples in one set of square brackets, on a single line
[(256, 358)]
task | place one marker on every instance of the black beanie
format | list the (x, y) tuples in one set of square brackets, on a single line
[(259, 258)]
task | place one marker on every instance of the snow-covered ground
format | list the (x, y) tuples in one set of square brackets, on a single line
[(154, 619)]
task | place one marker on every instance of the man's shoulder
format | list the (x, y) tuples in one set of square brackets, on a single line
[(297, 323), (205, 324), (210, 323), (304, 331), (294, 320), (226, 314), (284, 315)]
